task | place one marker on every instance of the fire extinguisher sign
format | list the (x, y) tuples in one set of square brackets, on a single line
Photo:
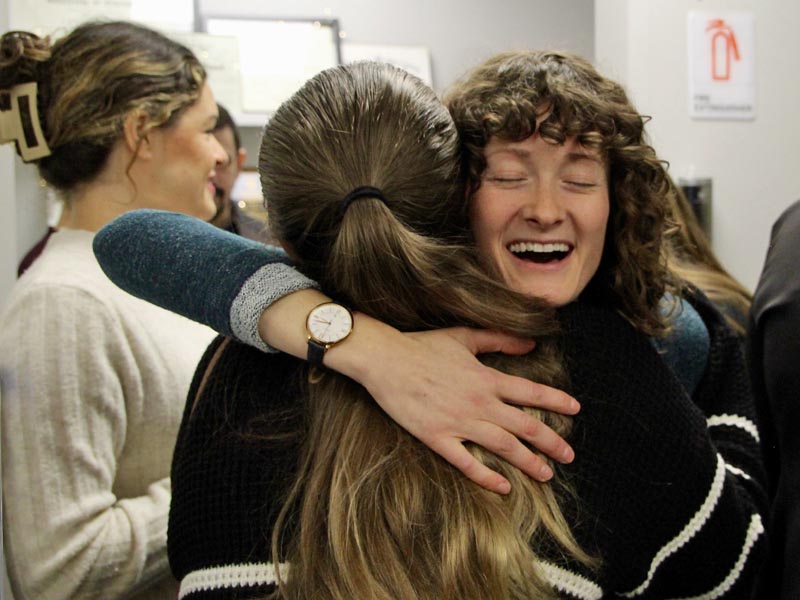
[(722, 65)]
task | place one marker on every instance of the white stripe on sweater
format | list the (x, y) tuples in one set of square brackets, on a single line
[(734, 421), (737, 471), (692, 527), (572, 583), (230, 576), (755, 529)]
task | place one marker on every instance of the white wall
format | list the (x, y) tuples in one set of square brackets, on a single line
[(23, 204), (7, 274), (8, 239), (755, 165)]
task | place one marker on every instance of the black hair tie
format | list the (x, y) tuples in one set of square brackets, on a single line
[(364, 191)]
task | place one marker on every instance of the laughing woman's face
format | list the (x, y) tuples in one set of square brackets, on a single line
[(540, 215)]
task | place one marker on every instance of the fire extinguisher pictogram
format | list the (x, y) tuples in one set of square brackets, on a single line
[(724, 49)]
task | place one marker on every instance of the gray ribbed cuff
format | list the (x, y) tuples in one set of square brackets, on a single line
[(270, 283)]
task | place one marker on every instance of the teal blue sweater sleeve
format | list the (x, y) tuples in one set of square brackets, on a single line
[(192, 268)]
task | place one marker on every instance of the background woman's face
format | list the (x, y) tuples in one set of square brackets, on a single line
[(186, 155), (540, 215)]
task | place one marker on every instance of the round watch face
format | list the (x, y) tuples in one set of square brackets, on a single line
[(329, 323)]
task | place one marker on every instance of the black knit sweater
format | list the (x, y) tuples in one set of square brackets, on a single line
[(670, 492)]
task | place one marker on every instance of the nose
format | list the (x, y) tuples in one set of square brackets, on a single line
[(220, 156), (543, 207)]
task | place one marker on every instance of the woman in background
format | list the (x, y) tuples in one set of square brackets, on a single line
[(116, 117)]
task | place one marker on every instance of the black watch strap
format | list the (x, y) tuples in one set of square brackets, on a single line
[(316, 352)]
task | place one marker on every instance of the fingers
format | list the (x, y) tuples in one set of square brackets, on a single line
[(523, 392), (519, 424), (457, 455), (480, 341), (438, 391), (504, 445)]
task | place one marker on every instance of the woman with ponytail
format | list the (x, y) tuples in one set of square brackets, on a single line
[(289, 481)]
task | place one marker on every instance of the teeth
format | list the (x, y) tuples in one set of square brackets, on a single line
[(521, 247)]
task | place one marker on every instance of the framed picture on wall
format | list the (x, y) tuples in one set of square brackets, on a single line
[(276, 56)]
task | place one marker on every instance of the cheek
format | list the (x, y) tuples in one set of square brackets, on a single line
[(225, 178), (595, 229), (484, 223)]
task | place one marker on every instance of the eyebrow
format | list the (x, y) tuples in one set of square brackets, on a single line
[(518, 152), (523, 153), (579, 156)]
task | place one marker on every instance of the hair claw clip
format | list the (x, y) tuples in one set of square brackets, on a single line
[(20, 123)]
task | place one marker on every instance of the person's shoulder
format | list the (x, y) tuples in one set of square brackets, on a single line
[(695, 299), (586, 320), (778, 288), (788, 220), (241, 383), (67, 262), (65, 278), (66, 285)]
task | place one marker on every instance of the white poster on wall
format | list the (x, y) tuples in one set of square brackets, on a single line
[(219, 54), (722, 65), (276, 57)]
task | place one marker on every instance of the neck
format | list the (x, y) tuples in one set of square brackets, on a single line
[(97, 204), (111, 193)]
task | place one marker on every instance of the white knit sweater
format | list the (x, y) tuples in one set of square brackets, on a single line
[(93, 386)]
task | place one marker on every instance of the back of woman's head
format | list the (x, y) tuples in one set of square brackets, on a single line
[(510, 94), (365, 125), (89, 80), (374, 514)]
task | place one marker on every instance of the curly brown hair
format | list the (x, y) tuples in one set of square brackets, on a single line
[(506, 95)]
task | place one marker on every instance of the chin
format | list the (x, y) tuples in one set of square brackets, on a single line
[(556, 299), (207, 209)]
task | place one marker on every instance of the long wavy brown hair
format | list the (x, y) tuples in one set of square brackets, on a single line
[(372, 512), (89, 81), (691, 257), (507, 95)]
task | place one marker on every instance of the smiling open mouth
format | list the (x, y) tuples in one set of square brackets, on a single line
[(540, 253)]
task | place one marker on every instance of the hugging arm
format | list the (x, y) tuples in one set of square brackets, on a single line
[(429, 382)]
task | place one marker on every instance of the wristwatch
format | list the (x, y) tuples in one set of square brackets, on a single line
[(327, 324)]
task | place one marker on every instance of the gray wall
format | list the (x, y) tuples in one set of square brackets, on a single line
[(458, 33)]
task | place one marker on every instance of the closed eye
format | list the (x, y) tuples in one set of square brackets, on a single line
[(582, 184)]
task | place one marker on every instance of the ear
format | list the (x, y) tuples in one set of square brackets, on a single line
[(241, 156), (135, 140)]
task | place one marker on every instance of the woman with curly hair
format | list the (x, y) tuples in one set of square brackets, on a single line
[(116, 117), (664, 497)]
